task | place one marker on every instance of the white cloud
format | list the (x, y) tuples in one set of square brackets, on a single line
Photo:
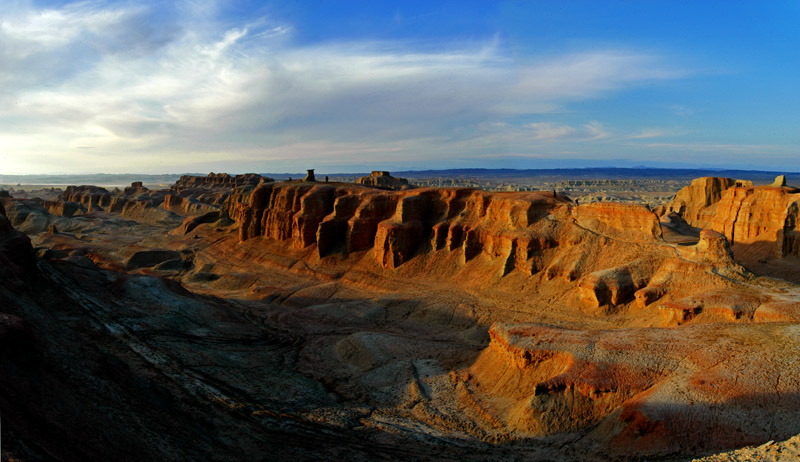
[(103, 76)]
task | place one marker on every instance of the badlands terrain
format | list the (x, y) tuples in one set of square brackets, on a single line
[(241, 318)]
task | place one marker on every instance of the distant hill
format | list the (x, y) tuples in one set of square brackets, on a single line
[(105, 179), (99, 179), (601, 173)]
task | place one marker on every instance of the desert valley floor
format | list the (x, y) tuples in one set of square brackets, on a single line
[(241, 318)]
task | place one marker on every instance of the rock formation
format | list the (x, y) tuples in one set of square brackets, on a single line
[(692, 201), (135, 188), (219, 180), (398, 224), (89, 196), (17, 260), (759, 221), (552, 380), (383, 180), (613, 251)]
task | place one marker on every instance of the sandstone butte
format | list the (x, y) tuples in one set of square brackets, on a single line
[(235, 317), (760, 222)]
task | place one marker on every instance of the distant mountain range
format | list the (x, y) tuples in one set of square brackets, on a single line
[(105, 179)]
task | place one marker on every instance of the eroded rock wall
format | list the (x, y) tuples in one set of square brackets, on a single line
[(219, 180), (397, 225), (762, 217), (692, 201)]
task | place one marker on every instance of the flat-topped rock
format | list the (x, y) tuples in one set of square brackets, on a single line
[(382, 179), (219, 180)]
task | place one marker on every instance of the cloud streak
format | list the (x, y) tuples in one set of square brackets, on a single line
[(593, 130)]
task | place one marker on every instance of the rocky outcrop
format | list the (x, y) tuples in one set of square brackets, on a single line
[(398, 225), (613, 251), (204, 196), (192, 222), (96, 198), (135, 188), (63, 208), (89, 196), (713, 247), (14, 332), (383, 180), (17, 259), (632, 222), (193, 195), (764, 213), (759, 221), (693, 201), (188, 205), (615, 286), (614, 384), (219, 180), (538, 380)]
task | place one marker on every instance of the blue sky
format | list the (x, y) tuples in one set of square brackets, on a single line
[(202, 85)]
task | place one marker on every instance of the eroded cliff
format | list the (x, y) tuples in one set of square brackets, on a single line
[(760, 222)]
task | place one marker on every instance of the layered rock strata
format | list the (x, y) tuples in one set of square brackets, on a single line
[(763, 218)]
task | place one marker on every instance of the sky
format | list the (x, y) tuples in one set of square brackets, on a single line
[(255, 86)]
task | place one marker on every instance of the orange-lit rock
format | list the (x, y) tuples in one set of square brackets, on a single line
[(692, 201), (762, 213), (634, 221)]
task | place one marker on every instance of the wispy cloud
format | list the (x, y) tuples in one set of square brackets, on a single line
[(647, 133), (589, 74), (549, 131), (718, 148), (593, 130)]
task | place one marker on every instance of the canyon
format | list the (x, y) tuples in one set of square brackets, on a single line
[(242, 318)]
